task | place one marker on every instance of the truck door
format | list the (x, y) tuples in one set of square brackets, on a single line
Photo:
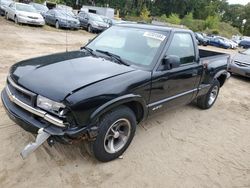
[(176, 86)]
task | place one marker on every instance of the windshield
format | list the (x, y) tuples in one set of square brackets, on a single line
[(26, 8), (137, 46), (5, 2), (40, 7), (199, 35), (96, 18), (65, 13)]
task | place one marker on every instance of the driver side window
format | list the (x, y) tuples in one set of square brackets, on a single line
[(182, 46)]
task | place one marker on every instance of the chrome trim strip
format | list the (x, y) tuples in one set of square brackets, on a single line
[(171, 98), (35, 111), (18, 87)]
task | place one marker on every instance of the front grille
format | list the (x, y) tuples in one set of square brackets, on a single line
[(241, 64), (21, 93)]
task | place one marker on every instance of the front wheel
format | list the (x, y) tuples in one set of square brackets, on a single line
[(16, 20), (116, 131), (208, 100)]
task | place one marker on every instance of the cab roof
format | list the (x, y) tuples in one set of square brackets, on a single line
[(152, 27)]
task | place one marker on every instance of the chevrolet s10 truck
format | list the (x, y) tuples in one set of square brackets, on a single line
[(101, 92)]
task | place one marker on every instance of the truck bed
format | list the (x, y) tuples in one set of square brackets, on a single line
[(210, 54)]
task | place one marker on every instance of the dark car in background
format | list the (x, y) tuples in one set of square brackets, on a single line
[(240, 64), (92, 22), (245, 43), (219, 42), (62, 19), (42, 9), (201, 39), (3, 5)]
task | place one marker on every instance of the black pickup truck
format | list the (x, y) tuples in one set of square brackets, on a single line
[(100, 93)]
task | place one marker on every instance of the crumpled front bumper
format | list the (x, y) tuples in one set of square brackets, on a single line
[(32, 123)]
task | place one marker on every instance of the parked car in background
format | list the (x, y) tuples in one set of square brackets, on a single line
[(233, 45), (245, 43), (92, 22), (240, 63), (42, 9), (62, 19), (112, 21), (24, 13), (219, 42), (3, 5), (201, 39)]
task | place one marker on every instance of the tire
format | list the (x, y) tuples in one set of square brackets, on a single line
[(16, 20), (7, 16), (116, 131), (57, 25), (89, 28), (208, 100)]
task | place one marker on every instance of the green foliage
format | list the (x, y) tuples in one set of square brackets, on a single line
[(145, 14), (212, 22), (174, 19)]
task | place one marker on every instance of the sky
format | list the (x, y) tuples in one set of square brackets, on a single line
[(243, 2)]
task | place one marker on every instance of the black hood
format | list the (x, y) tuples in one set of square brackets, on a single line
[(56, 76)]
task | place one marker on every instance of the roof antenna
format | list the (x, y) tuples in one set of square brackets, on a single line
[(66, 37)]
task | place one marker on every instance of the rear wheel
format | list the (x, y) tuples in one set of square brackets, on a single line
[(57, 25), (116, 131), (90, 30), (208, 100)]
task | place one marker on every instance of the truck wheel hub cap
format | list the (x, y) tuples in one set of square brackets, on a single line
[(117, 136), (213, 95)]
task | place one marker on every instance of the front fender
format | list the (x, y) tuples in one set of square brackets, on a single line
[(125, 99)]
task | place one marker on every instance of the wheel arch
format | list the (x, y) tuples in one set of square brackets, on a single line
[(135, 102), (221, 76)]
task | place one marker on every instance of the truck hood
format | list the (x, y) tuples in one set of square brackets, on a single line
[(57, 76)]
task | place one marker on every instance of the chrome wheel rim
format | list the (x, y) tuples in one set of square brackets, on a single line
[(57, 25), (89, 29), (117, 135), (16, 20), (213, 95)]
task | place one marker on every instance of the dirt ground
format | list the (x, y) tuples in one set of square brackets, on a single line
[(186, 147)]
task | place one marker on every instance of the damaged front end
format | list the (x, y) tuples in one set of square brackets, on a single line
[(35, 120)]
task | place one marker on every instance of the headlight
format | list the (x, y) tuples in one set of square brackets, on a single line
[(49, 105)]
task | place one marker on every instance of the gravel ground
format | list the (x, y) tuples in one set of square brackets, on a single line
[(185, 147)]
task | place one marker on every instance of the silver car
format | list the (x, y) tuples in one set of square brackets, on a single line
[(3, 5), (241, 64), (24, 13)]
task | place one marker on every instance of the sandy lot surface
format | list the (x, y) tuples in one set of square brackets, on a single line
[(186, 147)]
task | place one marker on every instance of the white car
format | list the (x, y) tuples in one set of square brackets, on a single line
[(24, 13)]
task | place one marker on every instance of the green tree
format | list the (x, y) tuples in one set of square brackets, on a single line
[(174, 19), (212, 22), (145, 13)]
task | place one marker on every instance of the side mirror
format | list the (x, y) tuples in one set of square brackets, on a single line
[(170, 62)]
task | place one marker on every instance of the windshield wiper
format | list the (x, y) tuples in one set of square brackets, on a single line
[(88, 50), (114, 56)]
